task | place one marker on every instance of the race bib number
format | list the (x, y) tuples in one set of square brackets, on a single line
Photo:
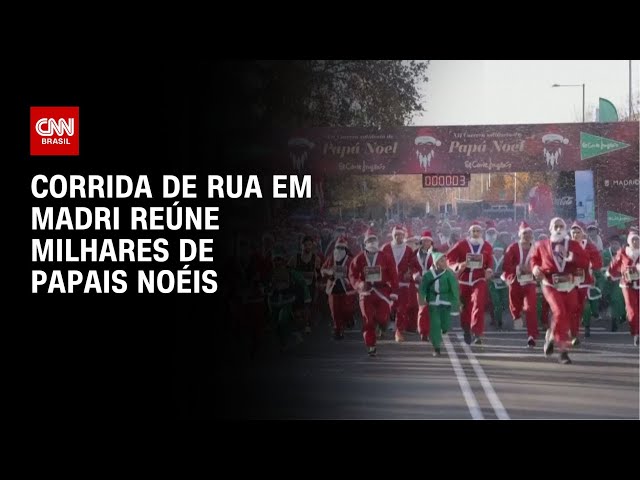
[(498, 283), (474, 260), (579, 276), (631, 274), (339, 272), (562, 282), (525, 277), (373, 274)]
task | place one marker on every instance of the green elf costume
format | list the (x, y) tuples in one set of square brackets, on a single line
[(498, 290), (439, 289), (288, 291)]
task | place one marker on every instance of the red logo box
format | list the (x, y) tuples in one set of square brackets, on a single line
[(55, 131)]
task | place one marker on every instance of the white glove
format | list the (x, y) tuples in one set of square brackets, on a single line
[(537, 272), (393, 297)]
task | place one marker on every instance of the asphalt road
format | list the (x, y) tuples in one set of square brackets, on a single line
[(502, 379)]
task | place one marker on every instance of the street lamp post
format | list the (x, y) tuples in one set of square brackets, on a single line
[(578, 85)]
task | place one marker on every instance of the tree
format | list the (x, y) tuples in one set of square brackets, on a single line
[(322, 93)]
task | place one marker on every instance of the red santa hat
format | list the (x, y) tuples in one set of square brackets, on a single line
[(491, 225), (554, 137), (523, 227), (631, 236), (426, 136), (578, 225), (399, 228), (554, 220), (426, 235), (370, 233), (475, 223), (342, 242)]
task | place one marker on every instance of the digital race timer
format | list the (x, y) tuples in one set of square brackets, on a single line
[(445, 179)]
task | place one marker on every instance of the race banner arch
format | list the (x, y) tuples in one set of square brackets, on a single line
[(609, 150)]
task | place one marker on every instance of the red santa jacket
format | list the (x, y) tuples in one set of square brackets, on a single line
[(458, 254), (406, 264), (389, 280), (621, 263), (442, 246), (516, 256), (595, 262), (544, 258), (426, 263), (328, 270)]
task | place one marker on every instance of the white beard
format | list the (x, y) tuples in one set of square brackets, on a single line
[(632, 253), (371, 247), (339, 255), (552, 158), (557, 236), (425, 160), (475, 241), (598, 243), (398, 251), (491, 239)]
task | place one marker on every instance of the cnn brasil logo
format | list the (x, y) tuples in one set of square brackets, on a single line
[(55, 131)]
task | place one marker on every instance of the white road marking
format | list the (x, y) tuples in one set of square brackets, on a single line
[(501, 412), (470, 398)]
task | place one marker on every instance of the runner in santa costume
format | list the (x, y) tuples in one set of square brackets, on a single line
[(288, 293), (307, 263), (413, 242), (444, 242), (555, 262), (522, 285), (585, 282), (439, 289), (374, 276), (542, 306), (612, 291), (407, 265), (498, 292), (491, 234), (341, 295), (472, 259), (626, 265), (425, 260), (593, 232)]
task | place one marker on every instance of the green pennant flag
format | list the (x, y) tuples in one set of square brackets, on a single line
[(592, 145), (608, 112), (618, 220)]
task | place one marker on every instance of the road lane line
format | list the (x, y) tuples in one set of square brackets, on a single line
[(501, 412), (470, 398)]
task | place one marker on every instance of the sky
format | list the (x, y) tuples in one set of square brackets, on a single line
[(494, 92)]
